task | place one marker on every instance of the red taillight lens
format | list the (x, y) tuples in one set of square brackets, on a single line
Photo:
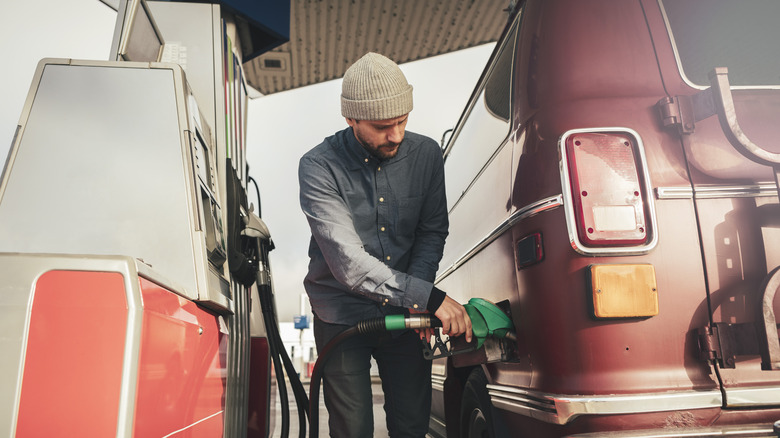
[(607, 189)]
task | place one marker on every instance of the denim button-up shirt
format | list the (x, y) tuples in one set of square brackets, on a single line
[(378, 227)]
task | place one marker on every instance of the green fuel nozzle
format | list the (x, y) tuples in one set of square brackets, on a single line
[(487, 320)]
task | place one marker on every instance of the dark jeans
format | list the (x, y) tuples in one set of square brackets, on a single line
[(406, 382)]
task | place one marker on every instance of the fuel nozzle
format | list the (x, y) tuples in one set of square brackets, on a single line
[(487, 320)]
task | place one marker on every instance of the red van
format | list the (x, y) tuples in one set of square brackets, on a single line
[(613, 186)]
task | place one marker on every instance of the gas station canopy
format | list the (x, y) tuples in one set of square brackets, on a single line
[(327, 36), (289, 44)]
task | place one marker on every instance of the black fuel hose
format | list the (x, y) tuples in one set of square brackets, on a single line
[(282, 364), (368, 326)]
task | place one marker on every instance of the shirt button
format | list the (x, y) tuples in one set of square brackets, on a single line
[(387, 299), (366, 160), (388, 257), (381, 199), (382, 229), (415, 306), (378, 169)]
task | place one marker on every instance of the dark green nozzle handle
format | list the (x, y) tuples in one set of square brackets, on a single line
[(488, 320)]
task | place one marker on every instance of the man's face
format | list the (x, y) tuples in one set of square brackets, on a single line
[(380, 138)]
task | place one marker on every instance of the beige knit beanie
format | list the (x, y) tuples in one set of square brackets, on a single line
[(374, 88)]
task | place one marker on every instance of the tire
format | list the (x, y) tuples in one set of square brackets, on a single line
[(476, 412)]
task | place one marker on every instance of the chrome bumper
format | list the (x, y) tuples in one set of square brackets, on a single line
[(560, 409), (700, 432)]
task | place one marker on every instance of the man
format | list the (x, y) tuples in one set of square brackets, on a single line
[(374, 198)]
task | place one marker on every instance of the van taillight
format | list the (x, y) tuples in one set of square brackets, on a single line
[(609, 194)]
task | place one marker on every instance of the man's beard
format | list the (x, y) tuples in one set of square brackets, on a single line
[(381, 152)]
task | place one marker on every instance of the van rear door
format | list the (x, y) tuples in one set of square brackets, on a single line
[(730, 138)]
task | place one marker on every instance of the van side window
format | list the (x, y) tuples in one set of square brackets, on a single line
[(722, 33), (484, 128), (498, 87)]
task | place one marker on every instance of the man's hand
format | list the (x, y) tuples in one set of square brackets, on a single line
[(455, 320)]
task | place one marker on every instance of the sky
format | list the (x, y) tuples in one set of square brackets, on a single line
[(281, 127)]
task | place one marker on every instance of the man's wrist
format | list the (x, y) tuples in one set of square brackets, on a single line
[(436, 298)]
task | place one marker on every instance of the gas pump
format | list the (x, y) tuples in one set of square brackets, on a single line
[(126, 310)]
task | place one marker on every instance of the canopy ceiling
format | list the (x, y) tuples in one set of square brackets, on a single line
[(327, 36)]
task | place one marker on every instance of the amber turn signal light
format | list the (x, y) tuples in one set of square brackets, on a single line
[(624, 291)]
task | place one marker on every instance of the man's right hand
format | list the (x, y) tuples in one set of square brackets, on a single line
[(454, 319)]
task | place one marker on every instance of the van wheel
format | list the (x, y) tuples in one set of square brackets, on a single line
[(476, 413)]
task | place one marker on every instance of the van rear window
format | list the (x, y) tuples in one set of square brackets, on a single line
[(742, 35)]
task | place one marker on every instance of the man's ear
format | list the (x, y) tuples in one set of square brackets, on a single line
[(351, 122)]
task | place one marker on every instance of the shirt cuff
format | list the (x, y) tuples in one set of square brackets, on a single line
[(435, 300)]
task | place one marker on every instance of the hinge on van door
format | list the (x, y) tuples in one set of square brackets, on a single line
[(684, 111), (724, 342)]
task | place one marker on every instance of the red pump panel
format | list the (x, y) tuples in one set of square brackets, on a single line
[(182, 368), (73, 364)]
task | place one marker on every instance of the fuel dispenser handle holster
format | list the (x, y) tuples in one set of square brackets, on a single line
[(242, 257)]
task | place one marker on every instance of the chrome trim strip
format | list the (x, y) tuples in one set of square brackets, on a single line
[(753, 397), (674, 192), (437, 426), (560, 409), (736, 191), (569, 207), (131, 361), (521, 214), (715, 192), (741, 430), (437, 383), (191, 425)]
